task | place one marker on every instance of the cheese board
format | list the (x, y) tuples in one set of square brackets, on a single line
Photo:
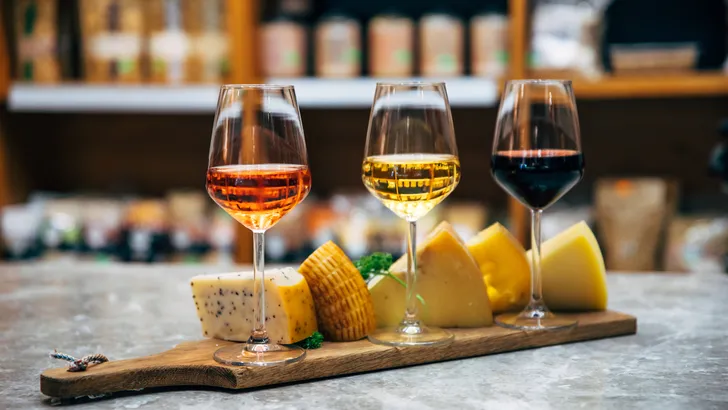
[(191, 363)]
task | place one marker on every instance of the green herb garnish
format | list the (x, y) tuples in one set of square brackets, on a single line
[(312, 342), (374, 264), (379, 263)]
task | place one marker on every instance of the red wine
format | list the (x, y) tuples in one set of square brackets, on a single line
[(537, 178)]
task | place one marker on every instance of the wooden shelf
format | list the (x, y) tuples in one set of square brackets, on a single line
[(695, 85)]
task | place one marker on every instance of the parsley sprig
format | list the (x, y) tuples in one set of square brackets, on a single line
[(378, 263)]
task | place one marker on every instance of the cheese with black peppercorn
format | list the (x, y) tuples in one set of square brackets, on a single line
[(226, 306)]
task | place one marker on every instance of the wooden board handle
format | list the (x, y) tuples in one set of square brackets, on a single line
[(187, 364)]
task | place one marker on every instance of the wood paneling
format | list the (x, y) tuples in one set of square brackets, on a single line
[(242, 24), (114, 154), (150, 154), (5, 190), (4, 60), (242, 30), (519, 19)]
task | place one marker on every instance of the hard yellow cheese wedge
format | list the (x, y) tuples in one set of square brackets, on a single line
[(448, 280), (225, 305), (502, 261), (573, 271), (343, 303)]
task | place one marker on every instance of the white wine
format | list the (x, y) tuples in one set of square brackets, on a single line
[(411, 184)]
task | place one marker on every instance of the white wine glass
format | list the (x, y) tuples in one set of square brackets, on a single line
[(411, 164), (258, 172)]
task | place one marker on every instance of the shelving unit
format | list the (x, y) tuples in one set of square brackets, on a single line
[(313, 93), (150, 99), (662, 86)]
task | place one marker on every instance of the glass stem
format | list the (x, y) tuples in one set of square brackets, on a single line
[(536, 302), (411, 276), (259, 335)]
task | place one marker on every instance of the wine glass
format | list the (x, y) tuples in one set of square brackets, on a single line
[(537, 159), (258, 171), (411, 165)]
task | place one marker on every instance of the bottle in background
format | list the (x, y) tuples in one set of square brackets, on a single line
[(145, 235), (112, 38), (20, 228), (489, 44), (188, 225), (61, 229), (206, 28), (338, 46), (169, 46), (441, 45), (36, 27), (101, 229), (221, 238), (391, 45)]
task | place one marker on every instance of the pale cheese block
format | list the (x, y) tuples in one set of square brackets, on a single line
[(506, 272), (448, 280), (572, 267), (226, 306)]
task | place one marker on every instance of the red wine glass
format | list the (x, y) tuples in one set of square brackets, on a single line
[(537, 159)]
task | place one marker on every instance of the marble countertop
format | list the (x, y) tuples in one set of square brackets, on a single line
[(678, 359)]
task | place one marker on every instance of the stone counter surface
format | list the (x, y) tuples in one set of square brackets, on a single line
[(677, 360)]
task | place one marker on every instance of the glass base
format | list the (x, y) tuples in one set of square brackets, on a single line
[(535, 319), (411, 334), (264, 354)]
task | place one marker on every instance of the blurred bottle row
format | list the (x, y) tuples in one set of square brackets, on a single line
[(177, 228), (185, 227), (636, 220), (125, 41)]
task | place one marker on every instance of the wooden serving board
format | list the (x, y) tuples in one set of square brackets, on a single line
[(191, 363)]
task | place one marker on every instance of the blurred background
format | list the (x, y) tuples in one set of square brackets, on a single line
[(106, 109)]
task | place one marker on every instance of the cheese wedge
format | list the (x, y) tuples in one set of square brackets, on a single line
[(343, 303), (573, 271), (226, 306), (506, 272), (448, 280)]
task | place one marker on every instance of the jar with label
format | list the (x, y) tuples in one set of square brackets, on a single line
[(338, 47), (169, 45), (112, 34), (441, 45), (283, 48), (391, 44), (37, 39), (489, 45)]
